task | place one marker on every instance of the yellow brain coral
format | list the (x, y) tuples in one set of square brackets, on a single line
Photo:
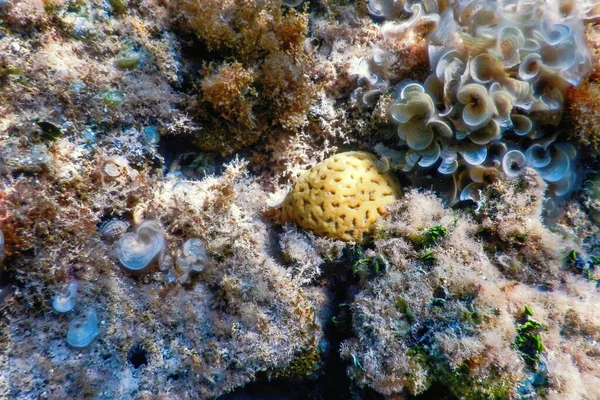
[(341, 197)]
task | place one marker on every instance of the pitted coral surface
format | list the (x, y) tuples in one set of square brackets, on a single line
[(342, 196)]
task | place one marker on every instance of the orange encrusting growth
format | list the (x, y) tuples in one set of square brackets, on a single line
[(341, 197)]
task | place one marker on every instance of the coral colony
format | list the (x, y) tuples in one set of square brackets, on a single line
[(369, 199), (499, 72)]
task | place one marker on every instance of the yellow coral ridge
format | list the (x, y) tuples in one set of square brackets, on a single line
[(342, 196)]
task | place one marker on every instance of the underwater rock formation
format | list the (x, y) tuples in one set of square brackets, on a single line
[(177, 129), (453, 312)]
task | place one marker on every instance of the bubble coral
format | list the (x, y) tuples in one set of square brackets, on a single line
[(136, 251), (113, 229), (341, 197), (194, 255), (82, 331)]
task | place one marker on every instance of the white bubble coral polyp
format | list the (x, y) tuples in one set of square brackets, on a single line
[(341, 197), (136, 251)]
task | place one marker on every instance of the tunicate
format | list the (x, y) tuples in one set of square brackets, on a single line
[(565, 185), (471, 192), (113, 229), (558, 168), (194, 255), (413, 112), (293, 3), (485, 68), (530, 66), (537, 156), (65, 302), (82, 331), (138, 250), (473, 154), (522, 125), (510, 40), (383, 164), (115, 165), (503, 102), (497, 69), (486, 134), (430, 155), (448, 165)]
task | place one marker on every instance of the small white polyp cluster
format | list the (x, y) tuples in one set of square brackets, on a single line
[(499, 71), (193, 258)]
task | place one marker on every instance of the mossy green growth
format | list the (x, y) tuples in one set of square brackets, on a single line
[(572, 256), (382, 233), (528, 341), (433, 234), (430, 237), (465, 384), (369, 264), (404, 308), (473, 317), (118, 5), (463, 381), (128, 62), (428, 256), (111, 98), (49, 131)]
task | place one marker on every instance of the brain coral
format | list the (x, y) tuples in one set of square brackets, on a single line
[(341, 197)]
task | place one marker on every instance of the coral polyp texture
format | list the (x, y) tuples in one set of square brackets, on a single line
[(440, 237), (342, 196)]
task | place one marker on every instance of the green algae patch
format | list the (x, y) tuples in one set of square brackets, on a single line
[(306, 363), (528, 341)]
